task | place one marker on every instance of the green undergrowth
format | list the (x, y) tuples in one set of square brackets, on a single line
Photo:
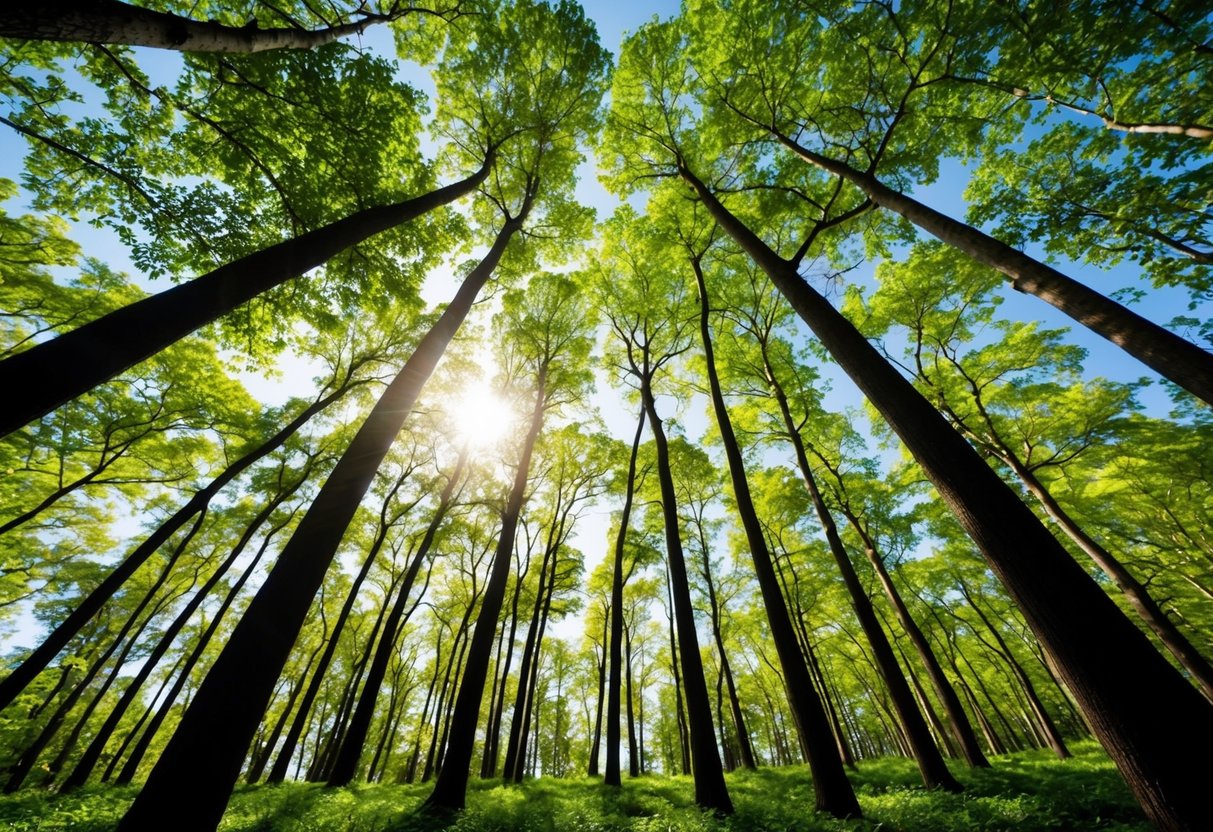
[(1022, 792)]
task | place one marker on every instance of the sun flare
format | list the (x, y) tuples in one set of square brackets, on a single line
[(481, 416)]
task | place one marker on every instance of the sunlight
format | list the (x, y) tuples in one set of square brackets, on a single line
[(481, 416)]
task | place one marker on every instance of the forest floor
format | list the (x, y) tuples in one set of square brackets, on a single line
[(1021, 792)]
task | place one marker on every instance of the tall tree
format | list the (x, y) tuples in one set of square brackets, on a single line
[(1073, 618)]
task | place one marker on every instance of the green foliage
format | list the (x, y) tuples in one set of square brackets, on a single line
[(1027, 792)]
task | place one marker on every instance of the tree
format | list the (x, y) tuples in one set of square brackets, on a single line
[(113, 21), (1071, 616), (634, 285)]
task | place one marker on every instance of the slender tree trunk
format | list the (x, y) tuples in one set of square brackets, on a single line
[(833, 791), (1049, 732), (961, 728), (25, 763), (684, 738), (489, 764), (931, 765), (202, 760), (633, 750), (596, 743), (84, 766), (132, 764), (451, 787), (710, 789), (1097, 648), (541, 626), (147, 714), (345, 766), (56, 371), (615, 642), (84, 612), (527, 667), (1172, 357), (1147, 609), (112, 21)]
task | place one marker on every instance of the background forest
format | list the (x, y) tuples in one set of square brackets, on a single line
[(448, 395)]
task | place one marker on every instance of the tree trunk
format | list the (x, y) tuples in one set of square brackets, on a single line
[(202, 760), (345, 765), (1172, 357), (56, 371), (633, 749), (1097, 648), (451, 787), (615, 642), (112, 21), (1049, 733), (592, 769), (541, 625), (710, 789), (833, 791)]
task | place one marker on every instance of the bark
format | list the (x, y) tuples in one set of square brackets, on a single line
[(833, 791), (684, 740), (527, 669), (84, 612), (710, 790), (1172, 357), (345, 766), (451, 787), (630, 699), (592, 769), (56, 371), (611, 775), (112, 21), (1096, 647), (202, 760)]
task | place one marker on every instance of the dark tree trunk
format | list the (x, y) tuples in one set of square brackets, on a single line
[(33, 664), (25, 763), (1049, 733), (451, 787), (833, 791), (488, 765), (56, 371), (136, 756), (1096, 647), (633, 749), (710, 789), (527, 669), (540, 625), (931, 765), (684, 739), (611, 775), (112, 21), (202, 760), (595, 745), (1172, 357), (345, 765)]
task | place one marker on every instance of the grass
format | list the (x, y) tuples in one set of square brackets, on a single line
[(1021, 793)]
